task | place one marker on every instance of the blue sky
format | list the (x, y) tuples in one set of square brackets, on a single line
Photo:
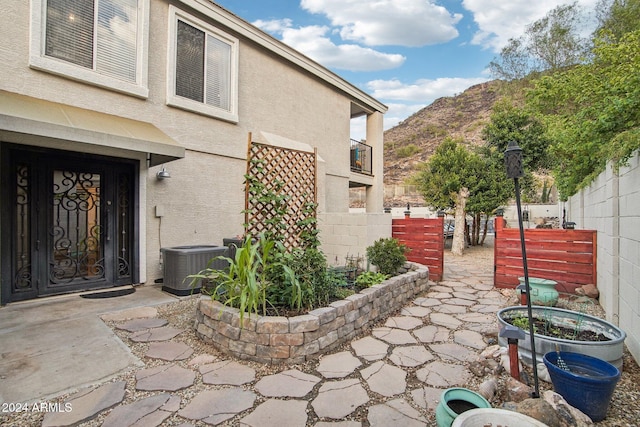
[(405, 53)]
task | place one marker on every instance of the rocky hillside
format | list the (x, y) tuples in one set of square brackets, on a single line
[(415, 139)]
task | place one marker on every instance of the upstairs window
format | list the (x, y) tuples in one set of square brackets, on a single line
[(97, 41), (203, 68)]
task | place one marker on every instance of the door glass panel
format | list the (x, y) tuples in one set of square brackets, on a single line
[(76, 231), (22, 238)]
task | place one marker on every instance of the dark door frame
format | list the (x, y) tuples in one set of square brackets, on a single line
[(42, 161)]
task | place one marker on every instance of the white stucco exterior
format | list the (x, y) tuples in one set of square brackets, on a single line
[(280, 92)]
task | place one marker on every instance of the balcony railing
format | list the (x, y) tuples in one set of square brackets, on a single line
[(361, 157)]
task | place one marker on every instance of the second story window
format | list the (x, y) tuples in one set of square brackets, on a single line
[(203, 68), (96, 41)]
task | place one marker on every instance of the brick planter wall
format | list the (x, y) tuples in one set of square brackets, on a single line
[(277, 339)]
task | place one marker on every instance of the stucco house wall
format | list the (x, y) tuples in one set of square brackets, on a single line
[(279, 91)]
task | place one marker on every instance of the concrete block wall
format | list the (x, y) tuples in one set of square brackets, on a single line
[(290, 340), (349, 234), (611, 205)]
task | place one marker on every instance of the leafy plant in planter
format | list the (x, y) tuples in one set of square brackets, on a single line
[(245, 282), (388, 255), (369, 278)]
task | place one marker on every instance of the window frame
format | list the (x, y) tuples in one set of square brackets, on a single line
[(39, 61), (174, 100)]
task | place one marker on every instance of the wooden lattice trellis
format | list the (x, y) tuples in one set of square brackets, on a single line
[(281, 195)]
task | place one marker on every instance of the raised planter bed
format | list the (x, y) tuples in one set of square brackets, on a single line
[(278, 339), (610, 351)]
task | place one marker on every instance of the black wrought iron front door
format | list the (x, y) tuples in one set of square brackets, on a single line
[(71, 223)]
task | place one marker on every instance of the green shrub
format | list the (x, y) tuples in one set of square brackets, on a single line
[(369, 278), (407, 151), (388, 255)]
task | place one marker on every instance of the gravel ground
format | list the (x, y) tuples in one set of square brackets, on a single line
[(624, 410)]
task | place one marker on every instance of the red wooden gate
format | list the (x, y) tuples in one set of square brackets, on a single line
[(425, 239), (566, 256)]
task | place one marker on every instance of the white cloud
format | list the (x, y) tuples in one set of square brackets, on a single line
[(388, 22), (500, 21), (314, 42), (423, 90)]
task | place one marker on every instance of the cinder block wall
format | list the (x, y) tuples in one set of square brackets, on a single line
[(611, 205)]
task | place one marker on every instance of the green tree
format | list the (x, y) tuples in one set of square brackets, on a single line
[(592, 112), (509, 122), (444, 182), (617, 18), (490, 190), (549, 44)]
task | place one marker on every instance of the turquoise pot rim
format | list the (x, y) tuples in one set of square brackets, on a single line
[(539, 281)]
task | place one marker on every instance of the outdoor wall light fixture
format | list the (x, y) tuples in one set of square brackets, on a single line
[(515, 170), (163, 173)]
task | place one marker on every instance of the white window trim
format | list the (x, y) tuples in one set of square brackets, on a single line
[(187, 104), (39, 61)]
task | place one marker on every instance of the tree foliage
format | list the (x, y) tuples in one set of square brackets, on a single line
[(617, 18), (592, 111), (549, 44), (453, 168)]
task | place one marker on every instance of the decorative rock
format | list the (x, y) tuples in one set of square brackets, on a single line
[(488, 388), (483, 367), (227, 372), (394, 336), (142, 324), (338, 365), (164, 377), (541, 410), (216, 406), (143, 412), (589, 290), (517, 391), (201, 359), (130, 313), (454, 352), (385, 379), (395, 412), (291, 383), (155, 334), (439, 374), (403, 322), (87, 404), (410, 356), (339, 424), (432, 333), (426, 397), (337, 399), (415, 311), (370, 348), (169, 350), (445, 320), (277, 413), (470, 339), (568, 415)]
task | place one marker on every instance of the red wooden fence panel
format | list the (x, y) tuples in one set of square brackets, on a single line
[(425, 239), (566, 256)]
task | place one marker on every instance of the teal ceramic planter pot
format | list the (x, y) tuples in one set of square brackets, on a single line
[(543, 291), (454, 401)]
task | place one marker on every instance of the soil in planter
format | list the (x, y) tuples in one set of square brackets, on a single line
[(548, 329), (459, 406)]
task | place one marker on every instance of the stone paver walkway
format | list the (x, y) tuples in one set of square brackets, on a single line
[(394, 376)]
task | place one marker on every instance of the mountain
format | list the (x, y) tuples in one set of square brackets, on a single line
[(415, 139)]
